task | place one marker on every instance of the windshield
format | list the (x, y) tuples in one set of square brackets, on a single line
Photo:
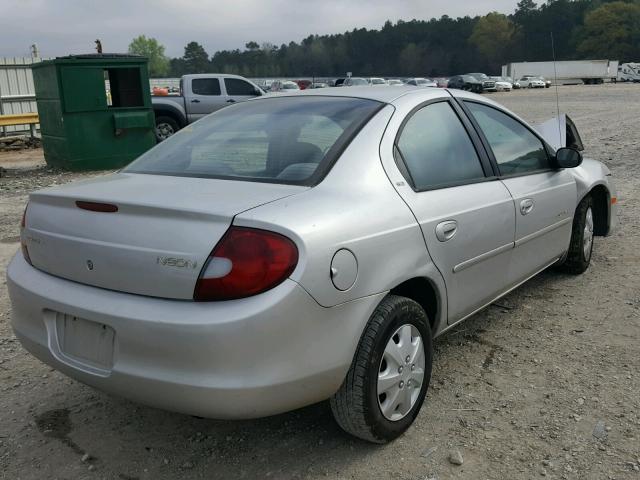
[(291, 140), (377, 81), (290, 86), (358, 81)]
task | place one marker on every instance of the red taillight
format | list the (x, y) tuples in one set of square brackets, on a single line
[(23, 245), (245, 262)]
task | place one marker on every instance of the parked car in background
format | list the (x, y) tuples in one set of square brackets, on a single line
[(338, 82), (529, 81), (284, 86), (421, 82), (303, 84), (441, 82), (488, 85), (502, 85), (465, 82), (319, 85), (515, 83), (377, 81), (395, 82), (266, 84), (201, 94), (301, 248), (355, 82)]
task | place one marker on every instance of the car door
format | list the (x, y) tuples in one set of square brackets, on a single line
[(466, 215), (203, 97), (239, 90), (544, 198)]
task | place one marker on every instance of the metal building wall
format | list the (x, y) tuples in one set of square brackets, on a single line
[(17, 94)]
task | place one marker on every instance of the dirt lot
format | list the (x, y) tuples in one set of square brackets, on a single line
[(518, 389)]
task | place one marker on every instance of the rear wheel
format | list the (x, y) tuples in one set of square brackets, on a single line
[(581, 245), (165, 127), (388, 379)]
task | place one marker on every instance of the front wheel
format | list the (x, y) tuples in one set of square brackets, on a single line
[(389, 376), (581, 245)]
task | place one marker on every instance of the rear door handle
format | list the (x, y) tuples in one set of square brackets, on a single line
[(231, 100), (446, 230), (526, 206), (195, 100)]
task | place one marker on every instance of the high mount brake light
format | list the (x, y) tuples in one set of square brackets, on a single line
[(97, 206), (245, 262)]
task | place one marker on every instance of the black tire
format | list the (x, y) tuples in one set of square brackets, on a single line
[(355, 406), (576, 262), (165, 127)]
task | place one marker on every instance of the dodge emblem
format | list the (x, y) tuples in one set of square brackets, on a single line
[(89, 265)]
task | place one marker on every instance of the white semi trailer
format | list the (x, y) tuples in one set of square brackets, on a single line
[(565, 72)]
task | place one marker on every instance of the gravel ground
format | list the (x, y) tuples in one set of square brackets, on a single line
[(544, 383)]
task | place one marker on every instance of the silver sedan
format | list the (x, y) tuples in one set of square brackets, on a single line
[(294, 249)]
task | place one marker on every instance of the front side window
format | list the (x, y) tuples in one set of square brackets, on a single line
[(516, 149), (289, 140), (235, 86), (437, 150), (205, 86)]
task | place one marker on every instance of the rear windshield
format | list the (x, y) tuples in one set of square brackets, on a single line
[(292, 140)]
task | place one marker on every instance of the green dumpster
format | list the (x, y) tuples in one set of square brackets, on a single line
[(95, 110)]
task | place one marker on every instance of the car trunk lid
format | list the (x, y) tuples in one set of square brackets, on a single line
[(137, 233)]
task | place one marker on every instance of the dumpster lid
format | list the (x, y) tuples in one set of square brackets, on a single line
[(100, 56), (94, 59)]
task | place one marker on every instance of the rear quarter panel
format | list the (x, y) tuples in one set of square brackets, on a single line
[(356, 208)]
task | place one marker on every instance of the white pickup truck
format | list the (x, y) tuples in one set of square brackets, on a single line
[(200, 94)]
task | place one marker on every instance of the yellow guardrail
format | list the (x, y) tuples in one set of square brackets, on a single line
[(19, 119)]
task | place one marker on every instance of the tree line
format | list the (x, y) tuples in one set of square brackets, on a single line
[(596, 29)]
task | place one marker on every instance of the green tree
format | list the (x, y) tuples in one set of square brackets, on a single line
[(493, 36), (410, 60), (154, 51), (196, 59), (611, 31)]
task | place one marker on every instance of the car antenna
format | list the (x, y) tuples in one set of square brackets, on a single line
[(555, 82)]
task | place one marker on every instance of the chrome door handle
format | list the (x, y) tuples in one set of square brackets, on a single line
[(195, 100), (526, 206), (446, 230)]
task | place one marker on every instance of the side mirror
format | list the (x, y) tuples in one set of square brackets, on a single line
[(257, 92), (568, 158)]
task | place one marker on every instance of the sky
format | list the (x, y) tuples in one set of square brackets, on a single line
[(61, 27)]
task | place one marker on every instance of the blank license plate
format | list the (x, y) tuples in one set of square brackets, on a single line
[(85, 341)]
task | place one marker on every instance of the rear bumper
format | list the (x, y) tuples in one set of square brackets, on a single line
[(246, 358)]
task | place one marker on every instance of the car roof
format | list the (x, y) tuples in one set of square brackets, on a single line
[(370, 93)]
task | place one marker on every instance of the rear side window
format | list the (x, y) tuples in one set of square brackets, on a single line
[(516, 149), (292, 140), (437, 150), (205, 86), (235, 86)]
